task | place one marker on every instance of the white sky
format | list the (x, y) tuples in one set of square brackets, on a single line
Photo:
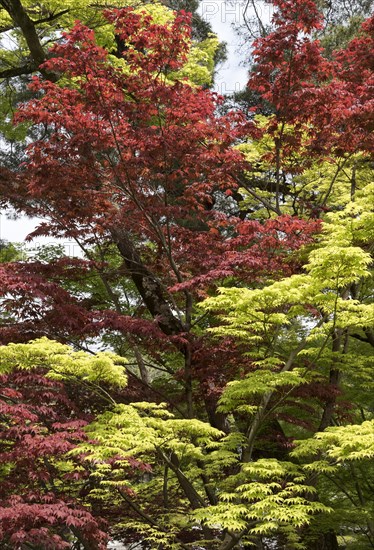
[(232, 77), (15, 230)]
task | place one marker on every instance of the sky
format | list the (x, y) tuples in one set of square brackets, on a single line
[(222, 15), (232, 77)]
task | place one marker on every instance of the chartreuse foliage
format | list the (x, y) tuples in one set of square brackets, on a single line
[(302, 311), (338, 445), (311, 183), (62, 363), (296, 331), (337, 262), (66, 13), (142, 454), (263, 503), (344, 456), (186, 460), (169, 455)]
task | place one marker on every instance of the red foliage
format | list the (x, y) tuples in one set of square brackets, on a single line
[(140, 163), (127, 149), (39, 424), (253, 252), (330, 101), (48, 523)]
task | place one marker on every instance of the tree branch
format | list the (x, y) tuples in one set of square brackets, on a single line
[(147, 284), (20, 17), (19, 71), (51, 17), (189, 490)]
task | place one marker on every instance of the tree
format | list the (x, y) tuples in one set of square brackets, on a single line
[(32, 27), (41, 421), (303, 329), (341, 23), (302, 145), (200, 446), (27, 31)]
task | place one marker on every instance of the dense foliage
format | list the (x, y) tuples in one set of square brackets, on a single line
[(225, 263)]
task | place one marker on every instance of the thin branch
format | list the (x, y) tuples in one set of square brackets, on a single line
[(51, 17), (145, 516)]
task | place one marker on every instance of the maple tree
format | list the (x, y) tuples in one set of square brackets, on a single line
[(32, 27), (41, 421), (222, 437), (28, 29)]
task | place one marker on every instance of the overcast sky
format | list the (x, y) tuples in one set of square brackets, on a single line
[(232, 75)]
